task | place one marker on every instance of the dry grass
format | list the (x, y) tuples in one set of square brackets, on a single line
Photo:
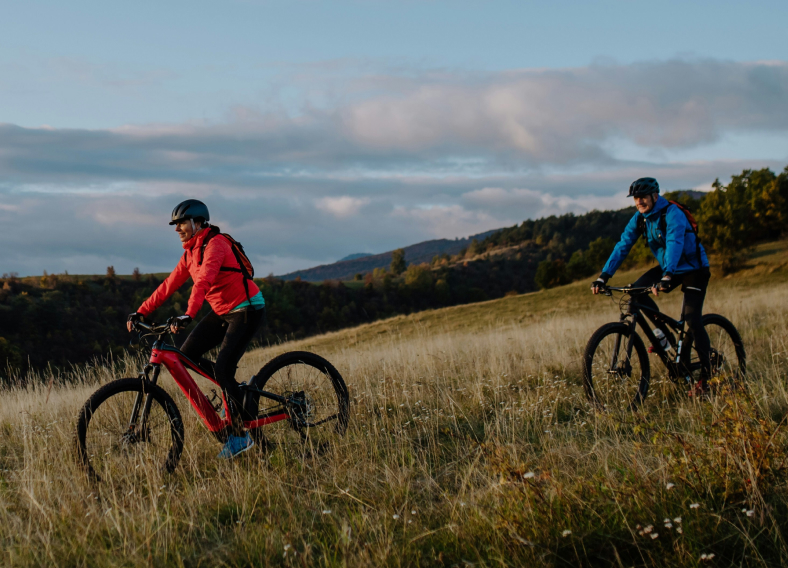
[(470, 443)]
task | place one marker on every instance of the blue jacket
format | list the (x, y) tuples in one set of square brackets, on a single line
[(676, 252)]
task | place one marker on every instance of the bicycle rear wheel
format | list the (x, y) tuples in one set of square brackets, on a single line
[(109, 440), (316, 400), (614, 379), (728, 357)]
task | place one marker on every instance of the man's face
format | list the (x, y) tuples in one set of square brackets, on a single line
[(184, 230), (646, 203)]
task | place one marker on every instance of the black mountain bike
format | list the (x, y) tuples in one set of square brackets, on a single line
[(616, 368)]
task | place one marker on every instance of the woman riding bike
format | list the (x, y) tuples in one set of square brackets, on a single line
[(237, 308), (682, 261)]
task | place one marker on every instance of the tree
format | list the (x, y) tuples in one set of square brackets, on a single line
[(398, 264), (136, 275), (724, 226), (474, 249), (551, 273), (578, 266), (418, 277), (110, 272), (598, 252)]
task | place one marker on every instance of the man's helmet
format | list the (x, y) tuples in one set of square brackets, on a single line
[(643, 186), (190, 209)]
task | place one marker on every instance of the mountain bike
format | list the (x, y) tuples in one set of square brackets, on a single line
[(616, 368), (134, 420)]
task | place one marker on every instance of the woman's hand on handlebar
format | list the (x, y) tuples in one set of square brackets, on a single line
[(177, 323), (132, 319)]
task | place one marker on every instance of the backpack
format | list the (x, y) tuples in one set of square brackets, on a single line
[(663, 225), (246, 269)]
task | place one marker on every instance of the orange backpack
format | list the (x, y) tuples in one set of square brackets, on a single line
[(246, 269)]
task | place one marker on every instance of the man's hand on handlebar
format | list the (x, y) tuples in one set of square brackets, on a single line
[(661, 286), (179, 322), (598, 285), (132, 319)]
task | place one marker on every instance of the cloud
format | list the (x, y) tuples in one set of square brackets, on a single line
[(342, 206), (501, 202), (405, 158), (440, 124)]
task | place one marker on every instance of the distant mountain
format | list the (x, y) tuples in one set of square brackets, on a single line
[(346, 268), (355, 255)]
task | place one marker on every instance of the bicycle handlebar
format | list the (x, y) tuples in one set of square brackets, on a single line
[(152, 328), (608, 290)]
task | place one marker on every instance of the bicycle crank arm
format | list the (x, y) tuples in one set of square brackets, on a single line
[(311, 425)]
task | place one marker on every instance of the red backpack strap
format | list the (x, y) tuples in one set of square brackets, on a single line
[(212, 232)]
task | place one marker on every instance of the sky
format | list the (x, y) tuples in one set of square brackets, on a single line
[(316, 129)]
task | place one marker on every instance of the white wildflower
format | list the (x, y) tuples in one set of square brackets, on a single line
[(694, 505), (529, 475), (326, 511), (677, 520), (670, 486), (566, 533)]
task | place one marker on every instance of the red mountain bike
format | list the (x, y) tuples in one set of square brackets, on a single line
[(133, 419)]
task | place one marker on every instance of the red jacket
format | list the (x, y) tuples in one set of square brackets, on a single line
[(222, 290)]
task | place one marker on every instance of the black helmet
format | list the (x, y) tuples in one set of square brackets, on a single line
[(643, 186), (190, 209)]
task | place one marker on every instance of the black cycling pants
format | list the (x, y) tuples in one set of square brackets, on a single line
[(694, 285), (233, 332)]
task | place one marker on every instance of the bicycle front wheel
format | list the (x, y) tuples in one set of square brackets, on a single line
[(111, 441), (316, 399), (616, 370)]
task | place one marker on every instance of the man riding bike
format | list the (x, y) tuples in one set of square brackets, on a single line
[(682, 261), (237, 306)]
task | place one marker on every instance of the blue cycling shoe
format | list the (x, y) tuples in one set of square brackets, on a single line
[(236, 445)]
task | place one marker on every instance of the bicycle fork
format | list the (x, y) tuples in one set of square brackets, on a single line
[(136, 429), (614, 359)]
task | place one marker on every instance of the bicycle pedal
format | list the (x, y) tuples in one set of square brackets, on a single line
[(651, 349)]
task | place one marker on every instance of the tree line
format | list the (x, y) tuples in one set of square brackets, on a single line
[(63, 320)]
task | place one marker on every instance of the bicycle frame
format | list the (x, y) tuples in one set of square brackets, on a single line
[(639, 314), (177, 363)]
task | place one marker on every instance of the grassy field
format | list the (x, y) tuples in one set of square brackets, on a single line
[(470, 443)]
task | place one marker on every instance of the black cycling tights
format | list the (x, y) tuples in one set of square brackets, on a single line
[(694, 285), (233, 332)]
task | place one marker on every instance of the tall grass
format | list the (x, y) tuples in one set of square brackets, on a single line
[(470, 442)]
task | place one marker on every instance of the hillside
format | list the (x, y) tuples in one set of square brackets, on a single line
[(63, 320), (470, 443), (414, 254)]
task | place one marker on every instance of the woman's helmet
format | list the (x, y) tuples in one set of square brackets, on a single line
[(643, 186), (191, 209)]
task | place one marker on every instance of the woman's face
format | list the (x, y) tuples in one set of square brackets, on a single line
[(186, 229)]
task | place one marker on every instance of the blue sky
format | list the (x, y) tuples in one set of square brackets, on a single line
[(318, 129)]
